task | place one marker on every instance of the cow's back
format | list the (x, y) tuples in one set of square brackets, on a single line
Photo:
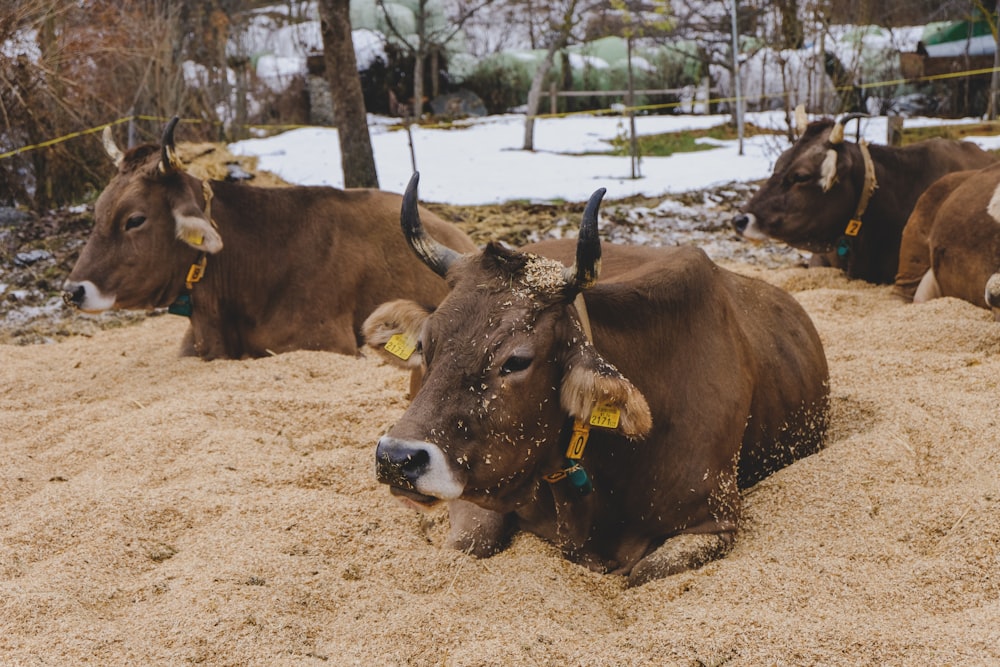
[(389, 267), (310, 264), (773, 340), (788, 417), (964, 239)]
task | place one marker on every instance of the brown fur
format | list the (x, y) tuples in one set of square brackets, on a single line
[(951, 243), (793, 207), (293, 268), (722, 380)]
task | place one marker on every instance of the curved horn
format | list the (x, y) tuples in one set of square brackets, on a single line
[(837, 133), (111, 147), (801, 119), (583, 274), (168, 153), (437, 256)]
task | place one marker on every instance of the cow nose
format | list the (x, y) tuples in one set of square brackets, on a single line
[(74, 295), (740, 222), (399, 463)]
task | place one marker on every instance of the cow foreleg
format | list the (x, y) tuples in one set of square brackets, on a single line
[(679, 553), (476, 531)]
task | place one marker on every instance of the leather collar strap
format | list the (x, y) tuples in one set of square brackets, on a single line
[(572, 470), (854, 224), (182, 305)]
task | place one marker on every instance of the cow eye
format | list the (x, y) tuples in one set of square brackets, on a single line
[(134, 221), (514, 364), (800, 177)]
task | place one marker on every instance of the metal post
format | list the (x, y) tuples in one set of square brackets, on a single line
[(736, 80)]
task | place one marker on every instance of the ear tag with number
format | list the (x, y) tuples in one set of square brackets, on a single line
[(578, 441), (605, 416), (400, 346), (853, 228)]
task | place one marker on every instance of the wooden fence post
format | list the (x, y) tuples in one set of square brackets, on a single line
[(894, 130)]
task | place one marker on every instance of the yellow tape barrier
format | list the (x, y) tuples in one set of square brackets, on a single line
[(616, 111)]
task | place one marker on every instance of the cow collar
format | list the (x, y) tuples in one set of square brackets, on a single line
[(572, 470), (182, 305), (854, 224)]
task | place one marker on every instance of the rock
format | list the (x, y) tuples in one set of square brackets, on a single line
[(31, 257), (10, 216)]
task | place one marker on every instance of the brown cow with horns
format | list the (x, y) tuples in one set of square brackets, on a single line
[(848, 202), (257, 270), (691, 382)]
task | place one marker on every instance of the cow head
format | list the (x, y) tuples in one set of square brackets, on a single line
[(507, 366), (150, 225), (812, 194)]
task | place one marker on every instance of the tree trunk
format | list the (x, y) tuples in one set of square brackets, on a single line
[(356, 157), (534, 97), (418, 61), (535, 93), (992, 108)]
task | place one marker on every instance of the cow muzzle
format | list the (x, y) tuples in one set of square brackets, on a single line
[(417, 470), (746, 225), (86, 297)]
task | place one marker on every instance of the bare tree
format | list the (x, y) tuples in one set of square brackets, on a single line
[(564, 16), (356, 156), (429, 38)]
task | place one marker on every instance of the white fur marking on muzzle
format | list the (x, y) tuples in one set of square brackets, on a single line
[(438, 480), (93, 300), (752, 231)]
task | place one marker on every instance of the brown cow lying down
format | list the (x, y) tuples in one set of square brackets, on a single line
[(283, 268), (700, 382), (951, 243), (848, 202)]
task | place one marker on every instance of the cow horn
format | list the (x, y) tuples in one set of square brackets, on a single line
[(437, 256), (169, 161), (583, 274), (111, 147), (837, 133), (801, 119)]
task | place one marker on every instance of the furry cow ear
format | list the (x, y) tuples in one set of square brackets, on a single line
[(393, 330), (591, 381), (197, 232)]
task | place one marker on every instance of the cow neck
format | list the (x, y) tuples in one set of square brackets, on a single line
[(580, 433), (868, 189), (183, 305)]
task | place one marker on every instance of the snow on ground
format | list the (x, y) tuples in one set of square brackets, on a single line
[(481, 161)]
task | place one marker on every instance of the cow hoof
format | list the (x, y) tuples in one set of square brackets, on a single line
[(680, 553)]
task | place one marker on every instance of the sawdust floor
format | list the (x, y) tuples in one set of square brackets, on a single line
[(159, 510)]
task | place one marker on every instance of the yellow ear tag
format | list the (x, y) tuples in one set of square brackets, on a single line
[(853, 228), (605, 416), (194, 238), (400, 346)]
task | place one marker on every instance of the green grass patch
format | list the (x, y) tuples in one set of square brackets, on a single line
[(668, 143), (984, 129)]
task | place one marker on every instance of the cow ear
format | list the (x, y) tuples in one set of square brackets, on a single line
[(195, 230), (392, 331), (591, 381)]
